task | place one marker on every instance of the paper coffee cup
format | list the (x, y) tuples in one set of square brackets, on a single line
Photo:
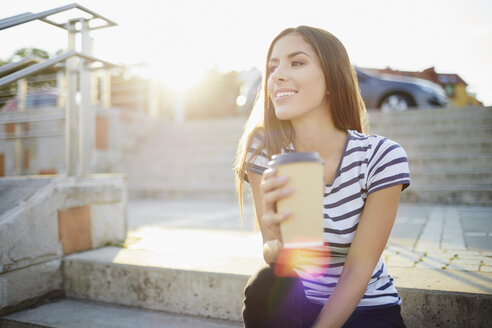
[(304, 228)]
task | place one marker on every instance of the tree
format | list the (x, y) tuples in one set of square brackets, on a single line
[(34, 52), (9, 91), (27, 52)]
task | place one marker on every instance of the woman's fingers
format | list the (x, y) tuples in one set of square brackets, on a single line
[(273, 189), (275, 218), (275, 195), (269, 183)]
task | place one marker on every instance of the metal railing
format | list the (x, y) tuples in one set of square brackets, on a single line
[(79, 130), (46, 114), (28, 17), (36, 68)]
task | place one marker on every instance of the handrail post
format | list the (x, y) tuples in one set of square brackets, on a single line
[(87, 119), (19, 155), (71, 142), (106, 89), (61, 86)]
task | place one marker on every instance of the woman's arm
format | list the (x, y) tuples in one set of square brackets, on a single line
[(267, 189), (369, 241)]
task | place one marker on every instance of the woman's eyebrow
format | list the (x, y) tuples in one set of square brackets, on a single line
[(290, 56)]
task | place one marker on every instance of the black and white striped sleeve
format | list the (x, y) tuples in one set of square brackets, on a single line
[(388, 166), (259, 163)]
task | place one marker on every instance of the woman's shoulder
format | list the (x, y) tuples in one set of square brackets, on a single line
[(374, 147), (370, 141)]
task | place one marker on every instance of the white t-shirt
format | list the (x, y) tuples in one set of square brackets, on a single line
[(368, 164)]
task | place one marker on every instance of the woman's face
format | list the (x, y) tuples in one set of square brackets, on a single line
[(296, 82)]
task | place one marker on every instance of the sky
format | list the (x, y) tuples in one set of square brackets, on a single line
[(181, 39)]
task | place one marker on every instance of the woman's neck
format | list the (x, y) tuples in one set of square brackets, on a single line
[(318, 134)]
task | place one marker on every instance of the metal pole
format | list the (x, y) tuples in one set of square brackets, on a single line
[(106, 89), (61, 85), (19, 156), (71, 143), (87, 120)]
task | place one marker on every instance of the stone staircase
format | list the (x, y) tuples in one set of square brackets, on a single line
[(193, 159), (449, 150), (450, 154), (201, 273)]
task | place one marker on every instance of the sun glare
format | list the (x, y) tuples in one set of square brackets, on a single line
[(177, 78), (180, 77)]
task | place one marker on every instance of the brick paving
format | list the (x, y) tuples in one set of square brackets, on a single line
[(424, 236), (439, 240)]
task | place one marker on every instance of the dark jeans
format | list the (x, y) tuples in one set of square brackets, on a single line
[(274, 302)]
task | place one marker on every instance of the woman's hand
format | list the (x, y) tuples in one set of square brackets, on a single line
[(273, 189), (267, 189)]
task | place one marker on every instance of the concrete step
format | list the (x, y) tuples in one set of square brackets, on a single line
[(171, 171), (430, 194), (449, 137), (434, 117), (194, 283), (449, 147), (200, 176), (73, 313), (203, 272), (223, 135), (422, 192), (453, 175), (442, 145), (186, 153), (433, 148), (439, 125), (177, 188), (418, 133), (157, 192), (174, 162), (459, 171), (397, 132), (447, 159), (225, 161), (164, 144), (407, 122)]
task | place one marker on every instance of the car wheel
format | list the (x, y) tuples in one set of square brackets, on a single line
[(396, 102)]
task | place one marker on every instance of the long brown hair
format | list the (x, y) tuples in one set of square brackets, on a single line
[(347, 107)]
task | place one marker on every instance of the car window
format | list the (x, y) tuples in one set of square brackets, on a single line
[(361, 78), (30, 101), (46, 100)]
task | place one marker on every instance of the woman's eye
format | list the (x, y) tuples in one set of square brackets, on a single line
[(271, 69), (296, 63)]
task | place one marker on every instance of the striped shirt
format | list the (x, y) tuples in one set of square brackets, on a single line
[(368, 164)]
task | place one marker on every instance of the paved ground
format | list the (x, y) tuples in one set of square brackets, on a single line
[(68, 313), (440, 248), (424, 236)]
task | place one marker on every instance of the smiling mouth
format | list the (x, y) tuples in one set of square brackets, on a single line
[(284, 94)]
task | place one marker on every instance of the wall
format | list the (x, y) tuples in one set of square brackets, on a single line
[(44, 219)]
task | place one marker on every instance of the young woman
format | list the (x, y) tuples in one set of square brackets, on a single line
[(312, 103)]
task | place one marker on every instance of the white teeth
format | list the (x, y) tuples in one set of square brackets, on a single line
[(285, 93)]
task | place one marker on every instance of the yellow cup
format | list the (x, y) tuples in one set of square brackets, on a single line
[(304, 228)]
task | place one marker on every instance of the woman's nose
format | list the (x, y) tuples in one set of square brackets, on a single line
[(279, 74)]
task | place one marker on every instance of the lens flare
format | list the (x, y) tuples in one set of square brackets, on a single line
[(290, 261)]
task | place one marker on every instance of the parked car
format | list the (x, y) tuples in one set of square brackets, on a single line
[(398, 93), (379, 91), (34, 99)]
